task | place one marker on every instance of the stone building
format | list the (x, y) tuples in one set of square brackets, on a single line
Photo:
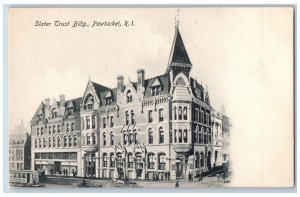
[(156, 128), (19, 148)]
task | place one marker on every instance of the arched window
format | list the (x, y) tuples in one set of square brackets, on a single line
[(185, 113), (150, 136), (40, 143), (44, 143), (151, 162), (112, 160), (58, 141), (54, 142), (201, 136), (75, 140), (197, 160), (202, 159), (130, 160), (139, 161), (35, 143), (132, 117), (104, 160), (111, 138), (94, 139), (127, 118), (175, 136), (119, 160), (129, 96), (185, 137), (180, 113), (54, 113), (162, 161), (175, 113), (42, 131), (104, 139), (209, 135), (130, 138), (205, 137), (70, 140), (180, 81), (65, 141), (49, 142), (161, 135)]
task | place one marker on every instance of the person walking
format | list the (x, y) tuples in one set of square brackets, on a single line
[(200, 178), (177, 184), (190, 177)]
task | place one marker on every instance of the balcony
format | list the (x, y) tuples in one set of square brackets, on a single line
[(90, 148), (182, 148)]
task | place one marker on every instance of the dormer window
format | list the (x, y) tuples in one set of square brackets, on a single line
[(54, 113), (155, 90), (108, 101), (89, 103), (69, 111), (129, 96)]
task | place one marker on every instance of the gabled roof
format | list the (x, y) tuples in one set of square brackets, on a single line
[(41, 107), (99, 88), (155, 83), (165, 84), (75, 103), (178, 55)]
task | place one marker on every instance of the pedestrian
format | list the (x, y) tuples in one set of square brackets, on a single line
[(177, 184), (200, 178), (66, 172), (190, 177)]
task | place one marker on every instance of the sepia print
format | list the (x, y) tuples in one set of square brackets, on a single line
[(157, 97)]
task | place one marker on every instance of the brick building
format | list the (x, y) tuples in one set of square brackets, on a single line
[(154, 128)]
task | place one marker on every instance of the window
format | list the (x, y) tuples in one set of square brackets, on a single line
[(132, 117), (108, 101), (82, 123), (150, 136), (44, 143), (88, 139), (130, 160), (104, 139), (180, 136), (155, 90), (58, 141), (175, 113), (35, 143), (150, 117), (58, 129), (185, 113), (185, 136), (171, 137), (209, 135), (75, 140), (94, 138), (205, 137), (70, 140), (54, 142), (111, 138), (49, 142), (93, 122), (111, 121), (125, 137), (197, 160), (104, 160), (54, 129), (127, 118), (175, 136), (162, 161), (89, 102), (161, 115), (207, 118), (151, 162), (197, 115), (161, 135), (67, 127), (88, 123), (130, 138), (180, 113), (42, 131), (49, 130), (201, 116), (119, 160), (37, 131), (139, 161), (65, 141), (112, 160), (72, 126), (129, 96), (54, 113), (69, 111), (202, 159)]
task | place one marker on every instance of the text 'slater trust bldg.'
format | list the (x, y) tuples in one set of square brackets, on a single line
[(158, 128)]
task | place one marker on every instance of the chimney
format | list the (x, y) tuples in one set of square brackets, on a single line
[(141, 77), (62, 100), (47, 103), (120, 85)]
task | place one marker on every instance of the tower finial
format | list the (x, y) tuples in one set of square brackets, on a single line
[(176, 19)]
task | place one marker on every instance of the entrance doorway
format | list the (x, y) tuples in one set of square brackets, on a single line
[(90, 165), (57, 167), (179, 166)]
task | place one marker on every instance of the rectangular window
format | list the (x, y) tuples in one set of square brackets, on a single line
[(88, 123), (185, 113), (197, 115), (175, 113), (104, 122), (175, 136), (42, 131), (49, 130), (37, 131), (180, 136), (150, 117), (185, 136), (111, 121), (201, 116), (171, 137), (161, 115), (72, 126), (58, 129), (54, 129)]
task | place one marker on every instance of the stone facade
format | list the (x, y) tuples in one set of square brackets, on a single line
[(158, 128)]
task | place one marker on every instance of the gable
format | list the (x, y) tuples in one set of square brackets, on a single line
[(156, 83)]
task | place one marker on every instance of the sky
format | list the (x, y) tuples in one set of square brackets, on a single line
[(243, 55)]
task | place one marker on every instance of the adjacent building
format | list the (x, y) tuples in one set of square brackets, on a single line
[(162, 127)]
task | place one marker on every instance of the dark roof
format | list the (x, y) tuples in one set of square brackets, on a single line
[(99, 88), (178, 53), (76, 104), (197, 87), (163, 79)]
